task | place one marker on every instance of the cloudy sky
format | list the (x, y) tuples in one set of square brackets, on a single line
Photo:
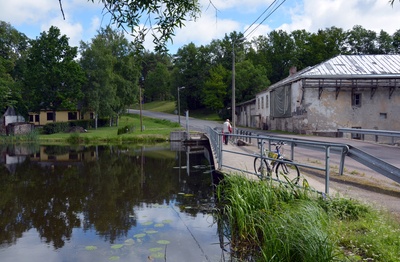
[(83, 18)]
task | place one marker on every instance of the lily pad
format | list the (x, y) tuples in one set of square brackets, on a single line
[(113, 258), (167, 221), (157, 255), (117, 246), (139, 235), (90, 248), (159, 225), (129, 242), (148, 223), (155, 249), (163, 242), (151, 231), (188, 195)]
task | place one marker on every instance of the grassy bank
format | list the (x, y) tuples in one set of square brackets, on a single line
[(128, 131), (270, 222)]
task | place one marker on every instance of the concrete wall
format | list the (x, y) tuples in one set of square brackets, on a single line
[(263, 109), (19, 128), (246, 115)]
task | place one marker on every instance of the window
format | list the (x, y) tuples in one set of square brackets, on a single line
[(72, 115), (50, 116), (262, 102), (266, 101), (258, 103), (37, 118), (30, 118), (383, 115), (356, 100)]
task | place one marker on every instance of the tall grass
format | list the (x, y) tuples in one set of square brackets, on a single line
[(271, 222)]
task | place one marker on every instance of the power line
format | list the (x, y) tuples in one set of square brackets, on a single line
[(268, 15)]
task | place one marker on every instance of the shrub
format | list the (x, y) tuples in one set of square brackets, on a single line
[(57, 127)]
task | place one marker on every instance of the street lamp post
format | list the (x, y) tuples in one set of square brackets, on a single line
[(179, 104), (233, 83)]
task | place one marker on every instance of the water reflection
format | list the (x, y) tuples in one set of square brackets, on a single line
[(83, 198)]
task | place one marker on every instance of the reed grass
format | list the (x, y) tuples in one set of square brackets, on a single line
[(268, 221)]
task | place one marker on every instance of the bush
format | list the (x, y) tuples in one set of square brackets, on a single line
[(86, 124), (57, 127), (125, 130)]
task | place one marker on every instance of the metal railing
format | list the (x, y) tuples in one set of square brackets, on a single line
[(360, 133), (215, 137)]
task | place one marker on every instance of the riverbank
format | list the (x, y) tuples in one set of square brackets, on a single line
[(131, 129)]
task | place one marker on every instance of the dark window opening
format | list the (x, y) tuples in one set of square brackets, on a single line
[(72, 115), (356, 100), (50, 116)]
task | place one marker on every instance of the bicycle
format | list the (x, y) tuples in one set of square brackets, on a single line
[(285, 169)]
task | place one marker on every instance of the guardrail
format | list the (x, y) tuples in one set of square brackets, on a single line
[(360, 133), (215, 137)]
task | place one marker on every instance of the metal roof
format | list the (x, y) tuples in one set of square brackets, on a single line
[(356, 67), (360, 65)]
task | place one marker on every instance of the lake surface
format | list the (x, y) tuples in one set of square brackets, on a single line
[(108, 203)]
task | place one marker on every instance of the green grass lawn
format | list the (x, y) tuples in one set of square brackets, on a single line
[(128, 130)]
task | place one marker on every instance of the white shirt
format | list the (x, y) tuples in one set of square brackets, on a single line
[(226, 127)]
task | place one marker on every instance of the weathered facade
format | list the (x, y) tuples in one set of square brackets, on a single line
[(245, 114), (354, 91)]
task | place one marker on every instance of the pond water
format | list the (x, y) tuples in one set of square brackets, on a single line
[(107, 203)]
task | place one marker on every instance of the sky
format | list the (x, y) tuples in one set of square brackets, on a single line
[(83, 19)]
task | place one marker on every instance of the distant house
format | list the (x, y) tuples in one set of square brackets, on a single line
[(47, 116), (348, 91)]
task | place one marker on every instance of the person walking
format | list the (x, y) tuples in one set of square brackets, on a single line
[(227, 129)]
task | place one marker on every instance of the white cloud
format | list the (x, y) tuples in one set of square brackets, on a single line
[(373, 15), (26, 11)]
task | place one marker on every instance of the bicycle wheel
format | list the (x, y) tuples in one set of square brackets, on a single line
[(261, 167), (288, 172)]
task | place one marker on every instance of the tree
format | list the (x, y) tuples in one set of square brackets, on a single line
[(215, 88), (13, 46), (280, 53), (362, 41), (191, 68), (53, 77), (250, 80), (157, 83), (385, 43), (112, 74), (396, 42)]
